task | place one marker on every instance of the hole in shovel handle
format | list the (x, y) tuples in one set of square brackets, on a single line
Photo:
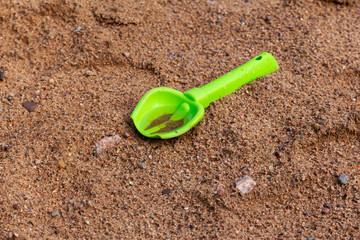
[(258, 58)]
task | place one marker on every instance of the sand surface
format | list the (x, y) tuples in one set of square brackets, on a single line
[(88, 63)]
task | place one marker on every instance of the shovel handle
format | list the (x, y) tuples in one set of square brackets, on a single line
[(259, 66)]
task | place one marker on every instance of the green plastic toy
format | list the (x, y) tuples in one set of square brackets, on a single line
[(166, 113)]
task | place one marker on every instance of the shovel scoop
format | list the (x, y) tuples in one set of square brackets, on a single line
[(166, 113)]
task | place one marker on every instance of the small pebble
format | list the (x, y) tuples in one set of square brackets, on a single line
[(166, 191), (4, 147), (10, 96), (30, 106), (126, 135), (316, 127), (107, 143), (343, 179), (78, 29), (55, 213), (219, 20), (311, 238), (62, 165), (16, 206), (220, 189), (268, 19), (72, 201), (277, 154), (87, 222), (126, 54), (142, 165), (325, 210), (18, 236), (171, 56), (26, 196), (245, 185), (89, 73)]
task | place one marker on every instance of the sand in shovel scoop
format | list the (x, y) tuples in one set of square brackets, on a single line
[(169, 124)]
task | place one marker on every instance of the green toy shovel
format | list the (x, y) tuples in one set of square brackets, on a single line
[(166, 113)]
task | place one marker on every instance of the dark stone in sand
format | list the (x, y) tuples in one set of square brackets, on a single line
[(30, 106), (166, 191)]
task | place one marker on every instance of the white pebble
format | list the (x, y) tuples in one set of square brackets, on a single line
[(78, 29), (245, 185)]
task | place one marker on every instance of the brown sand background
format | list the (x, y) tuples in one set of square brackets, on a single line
[(294, 132)]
